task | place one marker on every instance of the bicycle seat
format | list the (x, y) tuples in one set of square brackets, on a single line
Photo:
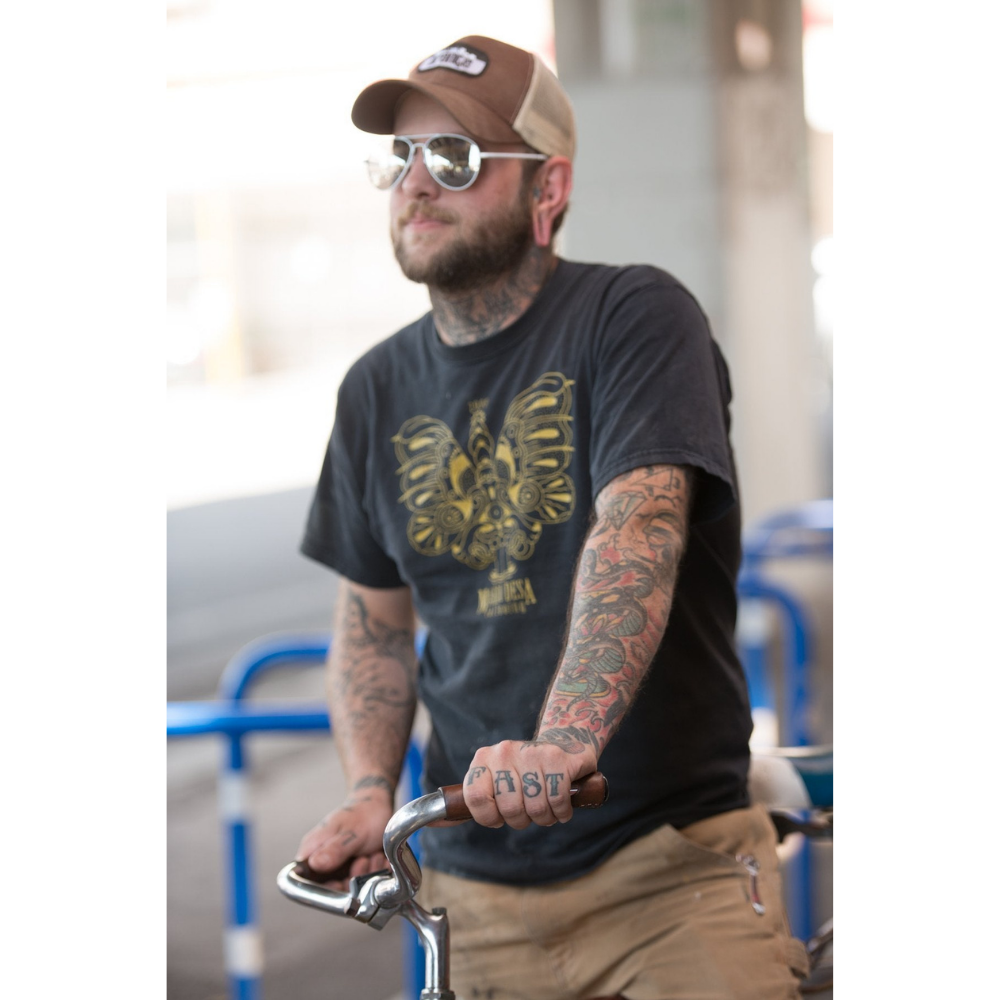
[(775, 783)]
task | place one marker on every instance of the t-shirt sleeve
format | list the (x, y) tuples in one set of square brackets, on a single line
[(661, 394), (338, 530)]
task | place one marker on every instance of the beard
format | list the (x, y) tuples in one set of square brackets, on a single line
[(493, 247)]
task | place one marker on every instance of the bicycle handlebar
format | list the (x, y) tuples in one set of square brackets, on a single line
[(375, 898), (587, 792)]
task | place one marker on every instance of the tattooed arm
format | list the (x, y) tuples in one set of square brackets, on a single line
[(622, 594), (371, 685)]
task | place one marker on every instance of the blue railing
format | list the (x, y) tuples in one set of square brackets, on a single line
[(800, 532), (232, 719), (804, 531)]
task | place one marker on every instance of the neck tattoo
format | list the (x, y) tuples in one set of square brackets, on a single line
[(465, 318)]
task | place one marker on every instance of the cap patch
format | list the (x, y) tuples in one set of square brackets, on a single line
[(458, 58)]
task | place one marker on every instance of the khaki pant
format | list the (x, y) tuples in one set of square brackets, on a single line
[(668, 917)]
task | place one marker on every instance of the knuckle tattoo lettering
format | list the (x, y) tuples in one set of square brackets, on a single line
[(531, 784), (504, 776), (474, 773)]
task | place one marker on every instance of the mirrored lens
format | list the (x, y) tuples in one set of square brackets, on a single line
[(387, 162), (452, 160)]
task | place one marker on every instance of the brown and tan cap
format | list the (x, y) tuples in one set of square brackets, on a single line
[(495, 91)]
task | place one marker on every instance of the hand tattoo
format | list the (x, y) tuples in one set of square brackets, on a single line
[(532, 786), (569, 739), (505, 777)]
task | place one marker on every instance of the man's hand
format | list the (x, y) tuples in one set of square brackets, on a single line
[(354, 831), (520, 782)]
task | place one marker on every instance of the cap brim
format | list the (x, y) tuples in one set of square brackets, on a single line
[(375, 110)]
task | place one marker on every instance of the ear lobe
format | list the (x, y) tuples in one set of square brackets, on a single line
[(542, 222), (550, 197)]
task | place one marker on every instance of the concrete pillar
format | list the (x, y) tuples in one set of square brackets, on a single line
[(692, 156)]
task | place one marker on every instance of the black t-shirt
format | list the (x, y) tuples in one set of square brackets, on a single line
[(469, 474)]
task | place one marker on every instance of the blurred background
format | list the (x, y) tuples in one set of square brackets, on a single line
[(705, 147)]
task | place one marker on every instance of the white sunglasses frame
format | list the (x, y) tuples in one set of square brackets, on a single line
[(428, 137)]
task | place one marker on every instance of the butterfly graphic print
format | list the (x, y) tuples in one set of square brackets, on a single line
[(488, 506)]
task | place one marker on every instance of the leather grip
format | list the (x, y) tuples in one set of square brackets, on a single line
[(587, 792)]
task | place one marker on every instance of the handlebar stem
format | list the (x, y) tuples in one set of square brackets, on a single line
[(433, 930)]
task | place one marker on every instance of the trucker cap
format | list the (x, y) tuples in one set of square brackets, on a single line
[(495, 91)]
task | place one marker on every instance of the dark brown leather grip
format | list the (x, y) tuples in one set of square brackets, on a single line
[(587, 792)]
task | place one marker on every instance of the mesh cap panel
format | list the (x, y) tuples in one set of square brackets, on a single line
[(545, 118)]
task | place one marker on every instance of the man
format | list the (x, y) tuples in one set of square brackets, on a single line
[(540, 469)]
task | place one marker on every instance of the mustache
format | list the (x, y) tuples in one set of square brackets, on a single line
[(425, 212)]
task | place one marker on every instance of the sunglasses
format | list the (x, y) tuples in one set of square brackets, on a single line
[(454, 161)]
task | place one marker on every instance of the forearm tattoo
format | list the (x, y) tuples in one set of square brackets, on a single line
[(622, 595), (372, 693)]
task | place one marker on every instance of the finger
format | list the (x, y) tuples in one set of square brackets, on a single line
[(360, 866), (367, 864), (340, 884), (333, 878), (311, 841), (334, 851), (447, 822), (536, 802), (478, 792), (557, 785), (326, 828), (509, 798)]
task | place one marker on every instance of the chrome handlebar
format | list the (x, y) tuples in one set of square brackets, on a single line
[(374, 899)]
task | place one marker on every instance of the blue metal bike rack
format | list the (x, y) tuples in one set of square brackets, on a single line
[(803, 531), (232, 718)]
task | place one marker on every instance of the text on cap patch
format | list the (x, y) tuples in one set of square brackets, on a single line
[(458, 58)]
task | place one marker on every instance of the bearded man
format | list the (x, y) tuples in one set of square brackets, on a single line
[(540, 469)]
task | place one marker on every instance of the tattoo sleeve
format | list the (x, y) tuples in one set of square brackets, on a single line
[(371, 685), (622, 594)]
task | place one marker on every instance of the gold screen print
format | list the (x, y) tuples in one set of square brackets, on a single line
[(488, 507)]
